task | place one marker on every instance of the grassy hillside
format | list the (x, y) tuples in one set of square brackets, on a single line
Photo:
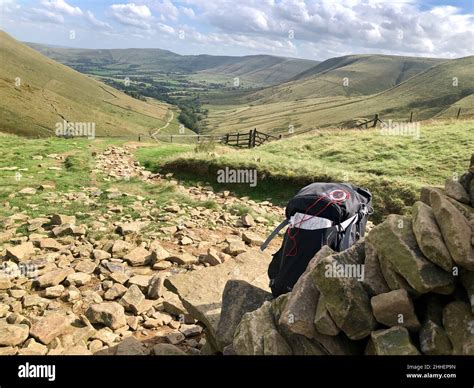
[(392, 167), (362, 74), (257, 70), (253, 70), (48, 92), (430, 93)]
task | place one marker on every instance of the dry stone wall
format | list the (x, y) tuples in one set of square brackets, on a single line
[(407, 289)]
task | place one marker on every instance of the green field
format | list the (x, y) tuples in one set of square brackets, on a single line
[(305, 96), (392, 167), (72, 175)]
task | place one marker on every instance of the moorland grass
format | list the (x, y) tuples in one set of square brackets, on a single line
[(394, 168)]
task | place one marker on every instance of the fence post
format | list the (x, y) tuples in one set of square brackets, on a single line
[(227, 139), (459, 112), (171, 138), (238, 138), (376, 118), (280, 136), (411, 116)]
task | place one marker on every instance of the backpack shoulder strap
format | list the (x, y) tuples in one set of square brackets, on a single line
[(273, 234), (347, 230), (345, 227)]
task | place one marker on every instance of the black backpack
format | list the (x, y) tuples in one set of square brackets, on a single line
[(333, 214)]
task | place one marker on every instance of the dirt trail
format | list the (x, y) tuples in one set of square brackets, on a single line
[(164, 126), (55, 109)]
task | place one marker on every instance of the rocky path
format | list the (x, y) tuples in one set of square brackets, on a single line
[(93, 283)]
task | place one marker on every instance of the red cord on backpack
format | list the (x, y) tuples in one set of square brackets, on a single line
[(346, 196)]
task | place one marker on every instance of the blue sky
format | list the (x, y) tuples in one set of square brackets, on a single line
[(313, 29)]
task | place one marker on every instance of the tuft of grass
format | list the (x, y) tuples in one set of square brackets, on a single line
[(152, 158), (239, 210), (205, 146)]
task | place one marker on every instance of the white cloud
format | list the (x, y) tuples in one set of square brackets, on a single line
[(132, 14), (359, 25), (96, 22), (43, 15), (188, 12), (9, 10), (9, 5), (321, 28), (165, 28), (444, 10), (166, 9), (62, 7), (223, 43)]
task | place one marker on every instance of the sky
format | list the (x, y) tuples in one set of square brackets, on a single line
[(312, 29)]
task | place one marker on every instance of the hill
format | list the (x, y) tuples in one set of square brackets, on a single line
[(254, 70), (351, 75), (431, 93), (37, 93), (257, 70)]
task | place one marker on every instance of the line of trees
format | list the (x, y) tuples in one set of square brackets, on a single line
[(192, 114)]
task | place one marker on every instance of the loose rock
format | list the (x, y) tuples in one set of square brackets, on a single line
[(110, 314)]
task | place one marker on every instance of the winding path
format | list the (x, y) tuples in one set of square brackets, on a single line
[(164, 126)]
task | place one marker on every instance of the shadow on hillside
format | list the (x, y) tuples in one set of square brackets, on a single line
[(266, 190)]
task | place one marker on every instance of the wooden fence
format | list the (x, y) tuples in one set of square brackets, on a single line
[(178, 138), (371, 123), (250, 139)]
